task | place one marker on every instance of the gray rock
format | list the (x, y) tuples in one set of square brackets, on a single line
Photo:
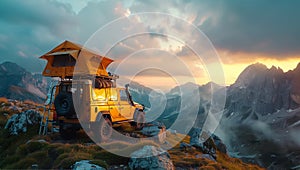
[(151, 130), (18, 123), (150, 157), (184, 146), (206, 156), (196, 139), (86, 165), (157, 130), (203, 141), (219, 144)]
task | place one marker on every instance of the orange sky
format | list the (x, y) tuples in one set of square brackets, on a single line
[(231, 71), (234, 64)]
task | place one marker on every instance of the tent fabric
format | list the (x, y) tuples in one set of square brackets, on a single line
[(87, 62), (73, 53)]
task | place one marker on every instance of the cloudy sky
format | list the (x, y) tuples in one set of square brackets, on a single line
[(242, 33)]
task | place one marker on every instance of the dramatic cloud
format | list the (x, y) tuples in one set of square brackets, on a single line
[(237, 29), (255, 26), (30, 28)]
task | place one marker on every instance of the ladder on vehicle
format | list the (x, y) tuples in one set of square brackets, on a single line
[(48, 105)]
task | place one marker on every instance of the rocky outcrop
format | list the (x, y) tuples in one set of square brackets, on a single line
[(151, 157), (220, 145), (207, 143), (203, 141), (19, 123), (86, 165), (156, 130)]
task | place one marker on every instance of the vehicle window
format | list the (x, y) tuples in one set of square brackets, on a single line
[(63, 60), (123, 95), (113, 95), (99, 94)]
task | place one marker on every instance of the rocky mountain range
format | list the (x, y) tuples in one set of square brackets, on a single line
[(261, 121), (19, 84), (261, 117)]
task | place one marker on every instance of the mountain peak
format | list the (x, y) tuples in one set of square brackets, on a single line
[(10, 68), (250, 73), (257, 65), (298, 67), (187, 87)]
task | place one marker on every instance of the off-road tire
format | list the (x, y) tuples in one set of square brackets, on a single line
[(102, 129), (64, 104), (139, 121)]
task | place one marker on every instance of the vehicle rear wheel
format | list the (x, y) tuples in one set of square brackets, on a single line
[(64, 104)]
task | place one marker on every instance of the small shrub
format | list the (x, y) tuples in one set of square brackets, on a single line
[(36, 146), (66, 160), (111, 158), (61, 157), (39, 155), (64, 149), (22, 149), (23, 164), (10, 160)]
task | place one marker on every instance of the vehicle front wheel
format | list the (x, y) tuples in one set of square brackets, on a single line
[(139, 121), (102, 130)]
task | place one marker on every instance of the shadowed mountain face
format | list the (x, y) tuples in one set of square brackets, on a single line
[(261, 122), (17, 83), (261, 118), (259, 90)]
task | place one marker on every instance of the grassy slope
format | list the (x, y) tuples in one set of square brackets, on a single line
[(17, 153)]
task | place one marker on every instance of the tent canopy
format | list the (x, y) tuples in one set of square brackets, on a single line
[(62, 59)]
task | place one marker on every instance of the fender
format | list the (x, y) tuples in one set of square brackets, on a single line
[(136, 112), (104, 114)]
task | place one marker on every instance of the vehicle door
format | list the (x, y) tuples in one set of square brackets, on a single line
[(114, 105)]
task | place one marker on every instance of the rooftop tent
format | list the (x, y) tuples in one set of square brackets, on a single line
[(62, 59)]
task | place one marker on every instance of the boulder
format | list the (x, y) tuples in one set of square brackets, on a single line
[(156, 130), (86, 165), (219, 144), (195, 137), (203, 141), (18, 123), (151, 157), (186, 147), (206, 156)]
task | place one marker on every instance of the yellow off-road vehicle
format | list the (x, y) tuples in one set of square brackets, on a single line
[(93, 101), (83, 102)]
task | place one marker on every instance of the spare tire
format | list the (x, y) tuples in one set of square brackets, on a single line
[(64, 104), (108, 85)]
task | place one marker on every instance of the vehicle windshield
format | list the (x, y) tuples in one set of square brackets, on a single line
[(105, 94)]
